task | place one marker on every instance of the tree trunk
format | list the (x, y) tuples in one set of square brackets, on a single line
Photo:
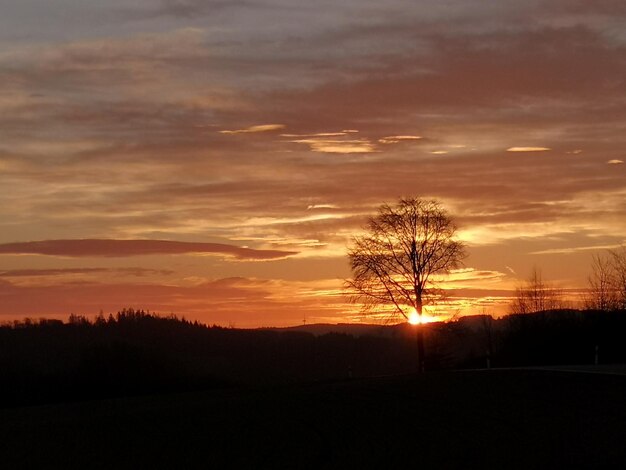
[(421, 357), (420, 348)]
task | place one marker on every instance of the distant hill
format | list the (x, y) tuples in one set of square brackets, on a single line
[(354, 329), (135, 352)]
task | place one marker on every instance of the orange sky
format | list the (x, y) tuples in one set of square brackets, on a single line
[(255, 137)]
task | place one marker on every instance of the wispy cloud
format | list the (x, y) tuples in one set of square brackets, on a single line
[(338, 146), (394, 139), (615, 162), (136, 271), (319, 134), (321, 206), (528, 149), (467, 276), (255, 129), (569, 250), (123, 248)]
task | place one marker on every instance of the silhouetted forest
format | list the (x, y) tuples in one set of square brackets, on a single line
[(136, 352)]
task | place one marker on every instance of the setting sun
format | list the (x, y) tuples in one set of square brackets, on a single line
[(416, 319)]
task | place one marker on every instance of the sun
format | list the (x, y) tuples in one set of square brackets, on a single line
[(415, 319)]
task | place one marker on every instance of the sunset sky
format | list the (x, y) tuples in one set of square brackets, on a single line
[(215, 157)]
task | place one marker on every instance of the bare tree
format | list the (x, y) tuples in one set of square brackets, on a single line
[(536, 295), (601, 294), (607, 282), (394, 263), (619, 275)]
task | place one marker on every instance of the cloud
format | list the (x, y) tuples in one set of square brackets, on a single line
[(464, 276), (321, 206), (319, 134), (528, 149), (138, 272), (338, 146), (394, 139), (569, 250), (187, 9), (615, 8), (324, 143), (124, 248), (255, 129), (505, 76), (615, 162)]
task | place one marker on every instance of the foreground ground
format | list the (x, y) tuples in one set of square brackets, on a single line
[(488, 419)]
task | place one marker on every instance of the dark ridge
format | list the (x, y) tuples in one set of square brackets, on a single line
[(136, 352)]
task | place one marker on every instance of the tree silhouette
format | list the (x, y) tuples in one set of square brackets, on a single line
[(619, 275), (601, 294), (394, 263), (536, 295), (607, 282)]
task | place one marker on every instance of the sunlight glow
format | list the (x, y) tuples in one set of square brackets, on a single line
[(416, 319)]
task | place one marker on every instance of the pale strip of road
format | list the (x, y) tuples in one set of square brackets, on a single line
[(604, 369), (607, 369)]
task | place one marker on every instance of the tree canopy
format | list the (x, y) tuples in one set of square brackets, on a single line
[(607, 282), (394, 262), (536, 295), (404, 246)]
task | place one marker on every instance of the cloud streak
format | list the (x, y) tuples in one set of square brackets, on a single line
[(124, 248), (137, 272), (338, 146), (255, 129), (394, 139), (528, 149)]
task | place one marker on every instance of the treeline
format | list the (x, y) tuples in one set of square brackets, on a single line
[(136, 352), (553, 337), (606, 290)]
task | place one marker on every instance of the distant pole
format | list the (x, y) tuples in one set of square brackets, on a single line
[(595, 361), (488, 359)]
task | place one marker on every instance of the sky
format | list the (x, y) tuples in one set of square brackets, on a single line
[(213, 159)]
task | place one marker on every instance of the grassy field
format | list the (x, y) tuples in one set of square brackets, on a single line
[(490, 419)]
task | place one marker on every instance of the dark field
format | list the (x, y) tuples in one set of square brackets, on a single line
[(490, 419)]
